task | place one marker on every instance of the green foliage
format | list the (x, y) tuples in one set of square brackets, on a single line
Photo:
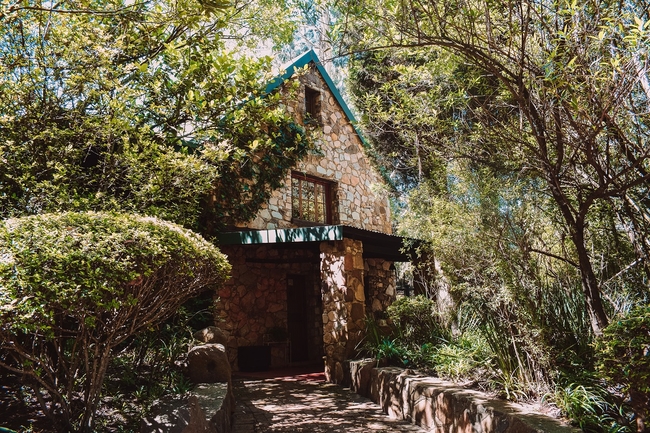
[(495, 238), (149, 108), (73, 286), (392, 352), (587, 407), (136, 107), (417, 107), (517, 132), (418, 338), (581, 404), (623, 358), (532, 96), (489, 239), (465, 357), (246, 181), (416, 319), (623, 351)]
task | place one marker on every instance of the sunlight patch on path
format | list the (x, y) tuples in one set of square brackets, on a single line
[(286, 405)]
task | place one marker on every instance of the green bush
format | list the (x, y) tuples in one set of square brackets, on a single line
[(419, 338), (75, 285), (416, 320), (462, 358), (623, 359)]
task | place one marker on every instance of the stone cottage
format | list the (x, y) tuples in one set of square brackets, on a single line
[(318, 258)]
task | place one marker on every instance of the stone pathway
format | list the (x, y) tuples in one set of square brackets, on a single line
[(306, 404)]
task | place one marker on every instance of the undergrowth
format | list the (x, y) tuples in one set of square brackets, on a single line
[(493, 355), (144, 369)]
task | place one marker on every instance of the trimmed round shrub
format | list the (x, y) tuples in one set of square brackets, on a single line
[(75, 285)]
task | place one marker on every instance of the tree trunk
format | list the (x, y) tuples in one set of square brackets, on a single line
[(95, 381), (639, 402), (590, 288)]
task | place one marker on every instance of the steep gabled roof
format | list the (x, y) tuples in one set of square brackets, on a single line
[(300, 62)]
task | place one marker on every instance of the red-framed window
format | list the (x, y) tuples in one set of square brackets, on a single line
[(311, 199)]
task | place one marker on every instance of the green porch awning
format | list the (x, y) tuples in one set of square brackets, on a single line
[(375, 244)]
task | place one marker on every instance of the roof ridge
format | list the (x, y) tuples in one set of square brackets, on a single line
[(303, 60)]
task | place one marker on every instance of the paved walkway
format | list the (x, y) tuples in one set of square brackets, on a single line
[(306, 403)]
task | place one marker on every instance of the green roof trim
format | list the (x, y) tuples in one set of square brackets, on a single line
[(375, 244), (302, 61), (274, 236)]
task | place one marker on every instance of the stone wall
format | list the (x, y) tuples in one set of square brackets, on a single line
[(380, 286), (343, 303), (443, 407), (344, 289), (253, 302), (340, 159)]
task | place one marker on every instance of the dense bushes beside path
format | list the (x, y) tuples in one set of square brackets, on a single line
[(624, 359), (607, 393), (75, 285)]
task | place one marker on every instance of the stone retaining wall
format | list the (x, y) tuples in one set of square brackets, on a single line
[(443, 406)]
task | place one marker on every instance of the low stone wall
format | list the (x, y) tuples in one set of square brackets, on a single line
[(443, 407)]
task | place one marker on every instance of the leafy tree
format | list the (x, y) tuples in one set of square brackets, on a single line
[(143, 107), (574, 80), (415, 109), (484, 232), (149, 107), (75, 285)]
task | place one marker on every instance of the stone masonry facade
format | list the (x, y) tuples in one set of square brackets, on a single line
[(339, 158), (253, 302), (380, 286), (343, 303), (348, 297), (343, 287)]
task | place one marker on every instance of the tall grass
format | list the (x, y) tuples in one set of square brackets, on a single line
[(526, 338)]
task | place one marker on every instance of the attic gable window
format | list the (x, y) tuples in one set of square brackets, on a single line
[(312, 106), (310, 199)]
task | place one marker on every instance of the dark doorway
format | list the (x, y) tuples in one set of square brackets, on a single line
[(297, 318)]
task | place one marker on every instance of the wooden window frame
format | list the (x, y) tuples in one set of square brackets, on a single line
[(312, 106), (328, 204)]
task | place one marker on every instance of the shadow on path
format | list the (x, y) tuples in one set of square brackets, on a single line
[(306, 404)]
